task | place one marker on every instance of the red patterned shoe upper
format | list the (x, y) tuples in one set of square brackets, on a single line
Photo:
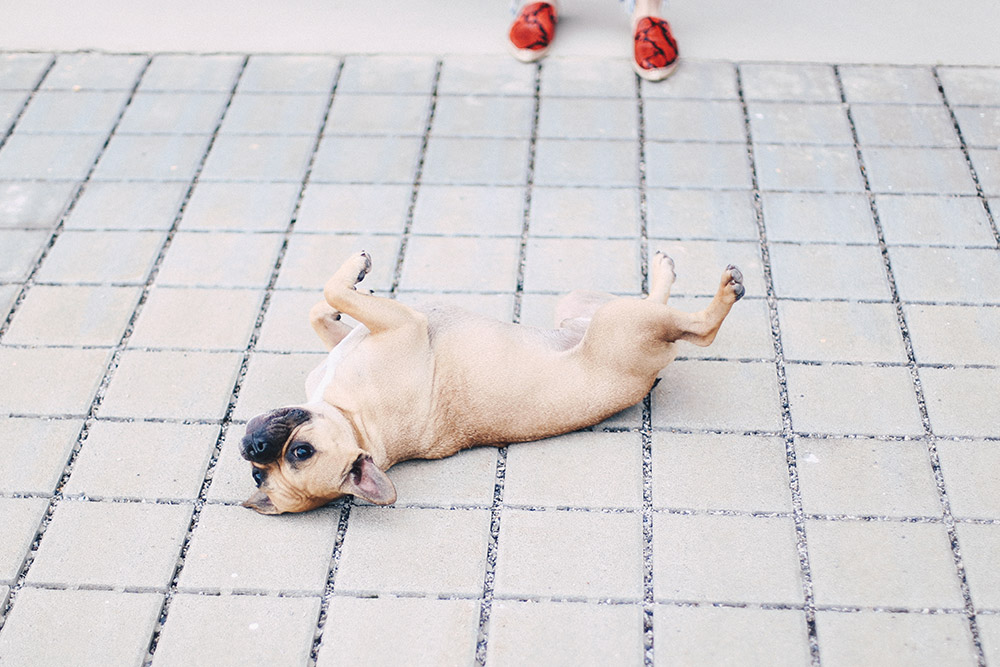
[(534, 27), (655, 47)]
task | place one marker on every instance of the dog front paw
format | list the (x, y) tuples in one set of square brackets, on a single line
[(365, 262), (732, 283)]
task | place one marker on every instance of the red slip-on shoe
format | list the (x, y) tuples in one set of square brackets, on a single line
[(655, 49), (533, 31)]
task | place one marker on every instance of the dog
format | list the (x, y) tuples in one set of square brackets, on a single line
[(406, 384)]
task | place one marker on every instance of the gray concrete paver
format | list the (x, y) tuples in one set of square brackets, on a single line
[(990, 636), (72, 315), (289, 74), (104, 257), (268, 159), (889, 85), (690, 165), (358, 208), (971, 85), (192, 73), (274, 113), (963, 275), (19, 249), (808, 168), (818, 218), (126, 206), (94, 71), (30, 468), (954, 334), (788, 123), (469, 210), (49, 381), (342, 159), (918, 170), (971, 471), (151, 157), (911, 639), (483, 116), (219, 259), (829, 272), (355, 114), (57, 157), (777, 82), (962, 401), (693, 214), (22, 71), (980, 126), (172, 112), (840, 331), (933, 220), (65, 112), (900, 125), (21, 517), (987, 164), (32, 204), (214, 319), (413, 75), (575, 118)]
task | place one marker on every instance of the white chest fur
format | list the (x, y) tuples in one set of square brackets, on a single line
[(337, 354)]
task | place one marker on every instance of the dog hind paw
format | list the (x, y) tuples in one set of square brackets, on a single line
[(732, 281)]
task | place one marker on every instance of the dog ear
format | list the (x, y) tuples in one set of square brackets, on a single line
[(260, 502), (367, 481)]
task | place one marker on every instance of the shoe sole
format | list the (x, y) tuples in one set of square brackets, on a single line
[(658, 74)]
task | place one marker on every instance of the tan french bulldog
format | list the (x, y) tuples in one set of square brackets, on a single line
[(406, 384)]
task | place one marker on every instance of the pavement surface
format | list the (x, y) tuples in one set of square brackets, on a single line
[(820, 486)]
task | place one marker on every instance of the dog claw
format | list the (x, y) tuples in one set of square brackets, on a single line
[(367, 267), (736, 274), (739, 291)]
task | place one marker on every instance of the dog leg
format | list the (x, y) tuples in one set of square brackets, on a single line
[(325, 321), (661, 277), (701, 328), (376, 313)]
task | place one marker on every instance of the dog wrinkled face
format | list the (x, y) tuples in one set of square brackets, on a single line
[(303, 459)]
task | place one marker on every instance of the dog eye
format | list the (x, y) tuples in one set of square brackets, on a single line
[(258, 476), (301, 451)]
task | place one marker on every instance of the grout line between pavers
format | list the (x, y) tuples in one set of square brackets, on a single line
[(24, 107), (914, 368), (788, 434), (81, 436)]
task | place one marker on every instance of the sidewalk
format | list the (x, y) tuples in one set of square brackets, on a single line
[(818, 486)]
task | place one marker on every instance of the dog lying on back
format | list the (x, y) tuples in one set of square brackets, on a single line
[(407, 384)]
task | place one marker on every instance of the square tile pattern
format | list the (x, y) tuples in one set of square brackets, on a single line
[(168, 220)]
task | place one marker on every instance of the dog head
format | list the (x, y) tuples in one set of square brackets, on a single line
[(304, 458)]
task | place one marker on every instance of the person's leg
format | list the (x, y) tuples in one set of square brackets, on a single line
[(656, 51), (533, 30)]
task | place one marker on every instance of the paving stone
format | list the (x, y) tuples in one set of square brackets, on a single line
[(33, 204), (19, 250), (918, 170), (696, 214), (236, 549), (56, 157), (275, 113), (563, 265), (286, 327), (173, 113), (21, 71), (696, 79), (476, 161), (962, 401), (883, 638), (274, 380), (573, 471), (716, 472), (483, 116), (21, 517), (366, 160), (802, 83), (869, 400), (94, 71), (970, 472), (889, 85), (980, 126), (240, 207), (147, 460), (231, 479), (28, 386), (111, 544), (381, 209), (954, 334), (435, 633), (917, 219), (237, 629), (897, 125), (794, 123), (828, 272), (746, 333), (396, 115), (604, 163), (212, 319), (840, 331), (725, 559), (946, 274), (127, 206), (980, 544), (456, 264), (971, 85), (989, 633), (258, 158), (11, 106), (817, 218), (455, 210), (584, 211), (31, 468), (84, 256), (987, 163), (484, 75), (808, 168), (717, 395), (312, 258), (183, 72), (387, 74), (8, 294), (587, 77), (861, 477), (61, 112), (583, 118), (291, 74), (171, 385), (563, 554), (882, 564), (708, 635), (401, 550), (563, 633), (151, 157), (220, 259), (97, 628), (699, 265), (691, 165), (68, 315), (467, 478)]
